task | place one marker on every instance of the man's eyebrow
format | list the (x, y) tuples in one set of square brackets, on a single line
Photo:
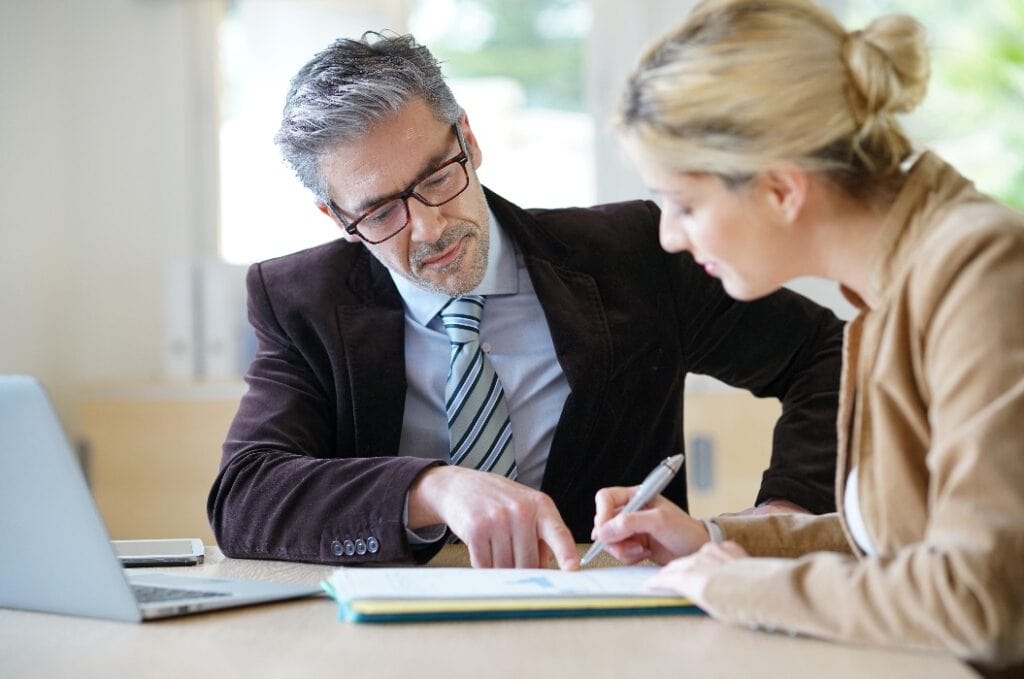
[(429, 166)]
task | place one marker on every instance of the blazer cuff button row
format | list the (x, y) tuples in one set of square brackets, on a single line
[(358, 546)]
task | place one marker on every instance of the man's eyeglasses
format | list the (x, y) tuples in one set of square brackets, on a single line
[(434, 188)]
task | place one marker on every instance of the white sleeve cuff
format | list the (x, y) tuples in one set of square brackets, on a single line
[(715, 531), (423, 536)]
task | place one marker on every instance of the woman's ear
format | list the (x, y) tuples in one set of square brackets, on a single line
[(785, 187), (350, 237)]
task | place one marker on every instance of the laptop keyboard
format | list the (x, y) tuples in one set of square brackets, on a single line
[(145, 594)]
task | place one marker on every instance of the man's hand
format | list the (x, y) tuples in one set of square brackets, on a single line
[(505, 524), (661, 531)]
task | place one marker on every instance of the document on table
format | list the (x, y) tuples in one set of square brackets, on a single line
[(408, 594)]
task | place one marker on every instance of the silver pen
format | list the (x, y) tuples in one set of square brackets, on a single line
[(648, 490)]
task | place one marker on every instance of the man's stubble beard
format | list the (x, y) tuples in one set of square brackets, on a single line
[(469, 277)]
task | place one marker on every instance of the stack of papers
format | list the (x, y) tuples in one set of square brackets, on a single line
[(420, 594)]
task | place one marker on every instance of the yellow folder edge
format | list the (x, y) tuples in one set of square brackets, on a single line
[(443, 606), (385, 609)]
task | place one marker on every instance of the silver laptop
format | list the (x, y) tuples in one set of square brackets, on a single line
[(57, 556)]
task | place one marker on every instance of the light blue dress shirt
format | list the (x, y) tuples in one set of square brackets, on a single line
[(514, 333)]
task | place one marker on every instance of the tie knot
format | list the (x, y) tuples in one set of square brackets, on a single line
[(461, 318)]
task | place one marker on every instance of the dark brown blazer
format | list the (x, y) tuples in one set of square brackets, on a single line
[(310, 470)]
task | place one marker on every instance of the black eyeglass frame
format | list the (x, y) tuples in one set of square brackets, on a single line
[(461, 158)]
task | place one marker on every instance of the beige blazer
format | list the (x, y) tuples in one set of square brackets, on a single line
[(931, 413)]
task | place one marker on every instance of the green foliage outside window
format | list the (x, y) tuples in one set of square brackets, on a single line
[(539, 43), (975, 101), (974, 112)]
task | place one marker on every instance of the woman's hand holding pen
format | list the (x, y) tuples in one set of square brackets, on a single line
[(666, 534), (661, 531)]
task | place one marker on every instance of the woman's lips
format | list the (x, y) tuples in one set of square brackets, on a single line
[(710, 268)]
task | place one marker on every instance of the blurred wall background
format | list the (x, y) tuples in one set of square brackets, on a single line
[(107, 138)]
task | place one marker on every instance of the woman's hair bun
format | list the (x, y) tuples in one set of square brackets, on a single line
[(888, 65)]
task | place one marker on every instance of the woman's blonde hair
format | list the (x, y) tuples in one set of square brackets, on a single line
[(743, 83)]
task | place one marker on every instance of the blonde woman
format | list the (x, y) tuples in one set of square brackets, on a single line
[(769, 133)]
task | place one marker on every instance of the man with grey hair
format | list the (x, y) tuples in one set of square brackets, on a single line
[(457, 367)]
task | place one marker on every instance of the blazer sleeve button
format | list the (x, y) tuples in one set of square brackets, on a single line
[(360, 547), (336, 548), (372, 545), (350, 548)]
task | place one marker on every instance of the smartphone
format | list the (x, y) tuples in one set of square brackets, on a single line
[(175, 552)]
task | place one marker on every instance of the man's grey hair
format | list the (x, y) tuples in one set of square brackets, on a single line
[(348, 88)]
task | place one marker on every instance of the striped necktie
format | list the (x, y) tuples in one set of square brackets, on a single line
[(478, 423)]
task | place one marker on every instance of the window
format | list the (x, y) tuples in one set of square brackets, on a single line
[(516, 67), (517, 70), (972, 112)]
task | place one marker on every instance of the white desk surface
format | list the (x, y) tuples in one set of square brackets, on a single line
[(305, 638)]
